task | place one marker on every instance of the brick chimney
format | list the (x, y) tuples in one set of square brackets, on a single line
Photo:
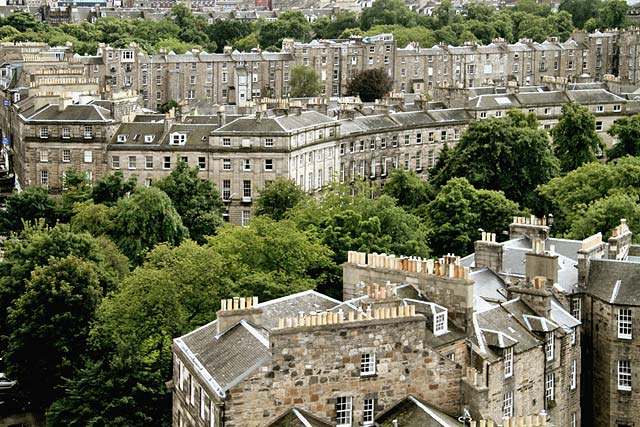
[(620, 241), (488, 252), (531, 227), (236, 309), (539, 262)]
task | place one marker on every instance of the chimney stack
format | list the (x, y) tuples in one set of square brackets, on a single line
[(235, 309)]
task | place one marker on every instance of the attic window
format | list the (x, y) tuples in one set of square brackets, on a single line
[(122, 138), (178, 139), (440, 323), (148, 138)]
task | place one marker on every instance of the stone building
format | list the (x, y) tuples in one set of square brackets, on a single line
[(309, 357), (609, 304)]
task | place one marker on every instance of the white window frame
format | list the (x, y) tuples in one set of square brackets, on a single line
[(624, 375), (344, 411), (44, 132), (115, 162), (212, 414), (549, 387), (625, 323), (576, 307), (87, 156), (132, 162), (508, 362), (180, 375), (246, 165), (440, 323), (44, 178), (192, 392), (574, 374), (178, 139), (226, 164), (165, 160), (507, 404), (246, 217), (148, 162), (574, 419), (549, 345), (268, 164), (66, 133), (202, 406), (88, 132), (368, 412), (367, 364), (66, 155), (44, 156)]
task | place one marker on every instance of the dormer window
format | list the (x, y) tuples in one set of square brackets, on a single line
[(148, 138), (178, 139), (440, 323), (122, 138), (127, 55), (367, 364)]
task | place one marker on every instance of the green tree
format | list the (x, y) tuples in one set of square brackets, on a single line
[(76, 189), (626, 131), (511, 154), (387, 12), (370, 84), (278, 198), (459, 210), (27, 205), (614, 14), (224, 32), (111, 188), (305, 82), (569, 196), (407, 188), (581, 10), (195, 199), (49, 324), (144, 220), (167, 106), (177, 290), (326, 28), (575, 140), (273, 258), (602, 215), (404, 35)]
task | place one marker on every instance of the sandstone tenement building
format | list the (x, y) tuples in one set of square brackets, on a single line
[(441, 339)]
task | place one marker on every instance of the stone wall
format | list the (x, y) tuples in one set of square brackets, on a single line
[(441, 281), (313, 365)]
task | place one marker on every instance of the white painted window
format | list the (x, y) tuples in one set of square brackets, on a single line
[(599, 108), (508, 362), (132, 162), (574, 374), (178, 139), (115, 162), (226, 164), (246, 164), (507, 404), (180, 375), (44, 156), (212, 415), (246, 217), (44, 178), (549, 387), (226, 189), (148, 138), (268, 164), (624, 375), (368, 412), (122, 138), (88, 132), (44, 132), (148, 162), (226, 142), (624, 323), (344, 411), (440, 323), (66, 156), (617, 108), (576, 307), (166, 162), (66, 133), (202, 404), (367, 364), (88, 156), (246, 189), (268, 142), (599, 126), (192, 392), (549, 345), (574, 419), (573, 336)]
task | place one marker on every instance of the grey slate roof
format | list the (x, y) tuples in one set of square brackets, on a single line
[(615, 282), (594, 96), (72, 113), (295, 417), (488, 285), (135, 132), (276, 124), (413, 412), (227, 357), (307, 302)]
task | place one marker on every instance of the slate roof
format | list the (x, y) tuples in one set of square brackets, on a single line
[(134, 133), (615, 282), (594, 96), (72, 113), (276, 124), (296, 417), (500, 319), (227, 358), (413, 412), (488, 285)]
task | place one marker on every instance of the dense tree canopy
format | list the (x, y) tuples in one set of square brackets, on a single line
[(370, 84), (29, 205), (196, 200), (511, 154), (305, 82), (626, 131), (278, 198), (575, 141)]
